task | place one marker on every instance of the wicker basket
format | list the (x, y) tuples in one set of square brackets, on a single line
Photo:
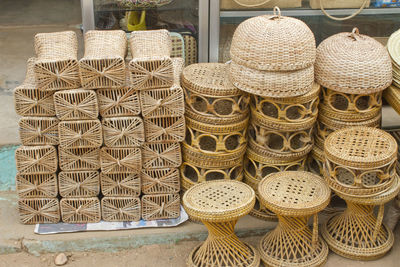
[(177, 45), (257, 4), (167, 129), (120, 184), (36, 185), (39, 210), (392, 96), (214, 120), (160, 181), (162, 206), (80, 210), (31, 101), (36, 159), (118, 102), (120, 209), (190, 49), (163, 102), (147, 44), (79, 184), (120, 160), (38, 131), (103, 64), (161, 155), (79, 159), (315, 161), (76, 104), (80, 134), (123, 132), (56, 66)]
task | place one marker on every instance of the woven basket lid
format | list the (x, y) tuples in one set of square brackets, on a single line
[(275, 43), (353, 63), (209, 79)]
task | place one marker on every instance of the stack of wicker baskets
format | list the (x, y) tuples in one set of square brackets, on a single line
[(273, 59), (353, 70), (156, 76), (392, 93), (216, 118)]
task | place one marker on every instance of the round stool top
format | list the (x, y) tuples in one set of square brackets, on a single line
[(219, 201), (360, 147), (294, 193)]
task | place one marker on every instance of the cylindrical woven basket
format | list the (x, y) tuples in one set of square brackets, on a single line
[(120, 184), (315, 161), (79, 159), (161, 206), (103, 63), (123, 132), (120, 209), (80, 210), (36, 159), (76, 104), (120, 160), (160, 181), (38, 131), (29, 100), (161, 155), (166, 129), (56, 66), (214, 120), (38, 210), (36, 185), (79, 184), (80, 134)]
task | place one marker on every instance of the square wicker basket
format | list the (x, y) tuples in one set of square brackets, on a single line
[(160, 181), (79, 183), (38, 210), (38, 131), (76, 104), (36, 159), (120, 184), (162, 155), (80, 134), (120, 209), (36, 185), (168, 129), (79, 159), (162, 206), (119, 102), (162, 102), (123, 132), (80, 210), (120, 160)]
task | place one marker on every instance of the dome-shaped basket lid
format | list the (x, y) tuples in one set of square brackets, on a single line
[(353, 63), (274, 43)]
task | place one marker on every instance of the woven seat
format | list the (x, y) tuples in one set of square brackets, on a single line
[(161, 206), (80, 210), (79, 183), (76, 104), (219, 205), (38, 131), (36, 159), (103, 63), (160, 181), (36, 185), (79, 159), (56, 66), (120, 209), (29, 100), (80, 134), (294, 196), (123, 132), (161, 155), (39, 210), (120, 160), (166, 129)]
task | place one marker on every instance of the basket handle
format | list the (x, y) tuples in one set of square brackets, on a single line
[(251, 5), (344, 18)]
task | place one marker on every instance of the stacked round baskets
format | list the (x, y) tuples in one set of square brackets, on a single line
[(216, 120), (392, 94), (273, 59)]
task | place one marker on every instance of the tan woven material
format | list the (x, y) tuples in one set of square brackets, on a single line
[(161, 206), (118, 102), (216, 120), (56, 65), (30, 100), (76, 104), (315, 161), (103, 64), (36, 185), (160, 181), (219, 204), (123, 132), (120, 209), (177, 45), (120, 184), (353, 63), (392, 96), (79, 159), (257, 4), (168, 129), (79, 183), (190, 49), (161, 155), (36, 159), (38, 130), (120, 160), (39, 210), (80, 134), (80, 210), (274, 43), (156, 43)]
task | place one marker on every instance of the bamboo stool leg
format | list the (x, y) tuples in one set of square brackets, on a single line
[(357, 233)]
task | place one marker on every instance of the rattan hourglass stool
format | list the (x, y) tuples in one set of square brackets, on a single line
[(219, 205), (294, 196)]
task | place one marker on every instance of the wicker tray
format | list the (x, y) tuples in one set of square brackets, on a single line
[(161, 155), (80, 210), (79, 184), (168, 129), (160, 181), (36, 159), (162, 206), (120, 184), (80, 134), (30, 100), (56, 65), (120, 209), (118, 102), (39, 210), (123, 132), (36, 185), (120, 160), (76, 104), (103, 64), (79, 159), (38, 131)]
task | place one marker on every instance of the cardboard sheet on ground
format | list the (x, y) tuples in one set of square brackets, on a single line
[(46, 228)]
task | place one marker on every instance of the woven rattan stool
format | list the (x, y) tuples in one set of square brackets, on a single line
[(294, 196), (219, 205)]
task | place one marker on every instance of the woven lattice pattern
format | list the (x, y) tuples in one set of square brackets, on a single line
[(36, 185), (36, 159), (76, 104), (79, 183), (156, 43), (167, 129), (163, 102), (80, 210), (120, 160), (80, 134), (120, 209), (77, 159), (56, 65), (190, 49), (38, 130), (39, 210), (160, 181), (161, 206), (118, 102), (123, 132), (120, 184), (103, 64), (161, 155)]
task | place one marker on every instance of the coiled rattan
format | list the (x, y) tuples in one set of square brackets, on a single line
[(79, 159), (165, 129), (120, 160), (36, 185), (38, 130), (120, 209), (76, 104), (120, 184), (38, 210), (161, 206), (123, 132), (79, 183), (36, 159), (80, 134), (80, 210), (161, 155), (160, 181)]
